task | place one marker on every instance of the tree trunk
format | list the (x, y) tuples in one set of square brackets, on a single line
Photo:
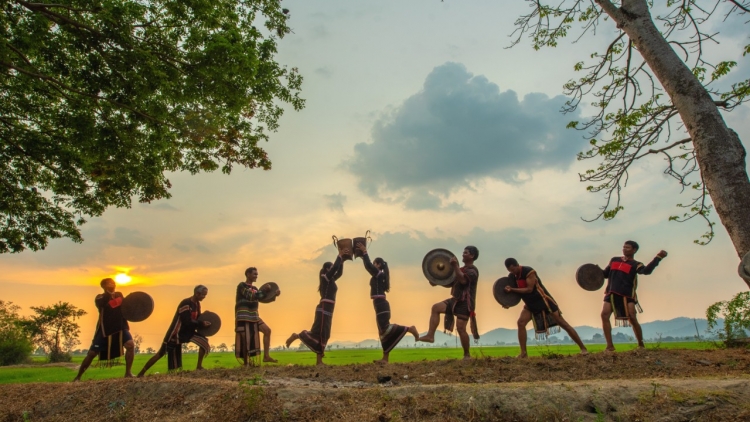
[(718, 149)]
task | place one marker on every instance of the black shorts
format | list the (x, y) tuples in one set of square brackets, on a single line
[(535, 308), (608, 297), (100, 342), (459, 309)]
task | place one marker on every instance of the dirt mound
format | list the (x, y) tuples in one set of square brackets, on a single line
[(649, 385)]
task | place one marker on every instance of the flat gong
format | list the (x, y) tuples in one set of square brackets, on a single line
[(590, 277), (506, 299), (269, 291), (437, 268), (137, 306), (211, 329)]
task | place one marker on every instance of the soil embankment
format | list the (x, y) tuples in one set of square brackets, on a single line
[(662, 385)]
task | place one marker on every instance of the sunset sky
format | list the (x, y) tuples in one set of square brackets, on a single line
[(422, 127)]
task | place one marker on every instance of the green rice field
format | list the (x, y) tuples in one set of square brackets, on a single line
[(38, 372)]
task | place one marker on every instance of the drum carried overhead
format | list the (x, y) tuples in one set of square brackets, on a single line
[(137, 306), (362, 240), (505, 299), (269, 292), (437, 268), (211, 329), (343, 244), (590, 277)]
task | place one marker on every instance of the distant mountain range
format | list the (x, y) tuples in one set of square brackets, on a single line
[(674, 329)]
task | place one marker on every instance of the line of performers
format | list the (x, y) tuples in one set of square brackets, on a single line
[(112, 332)]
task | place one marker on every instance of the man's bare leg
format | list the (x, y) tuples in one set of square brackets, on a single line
[(155, 358), (571, 331), (607, 326), (637, 330), (129, 356), (266, 330), (291, 339), (463, 336), (523, 321), (413, 331), (201, 354), (319, 359), (85, 364), (437, 309)]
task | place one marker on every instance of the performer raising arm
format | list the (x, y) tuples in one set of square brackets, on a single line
[(539, 307), (380, 283), (182, 330), (462, 301), (248, 324), (620, 295), (317, 338)]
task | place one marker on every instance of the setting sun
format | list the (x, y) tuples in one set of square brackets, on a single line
[(122, 278)]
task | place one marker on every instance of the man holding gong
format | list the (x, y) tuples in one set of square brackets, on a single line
[(248, 324), (183, 330), (461, 305), (620, 295), (539, 307), (112, 331)]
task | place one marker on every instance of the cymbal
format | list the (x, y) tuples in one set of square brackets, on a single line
[(137, 306), (590, 277), (437, 268), (501, 296), (211, 329)]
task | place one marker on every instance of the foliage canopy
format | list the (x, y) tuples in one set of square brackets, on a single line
[(55, 329), (99, 99)]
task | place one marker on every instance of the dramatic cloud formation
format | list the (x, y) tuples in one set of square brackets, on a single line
[(458, 130)]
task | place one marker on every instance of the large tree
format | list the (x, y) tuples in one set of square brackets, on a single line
[(99, 99), (627, 82), (15, 344)]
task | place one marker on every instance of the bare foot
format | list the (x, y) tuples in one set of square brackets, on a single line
[(76, 379), (467, 357), (140, 375), (380, 361), (200, 368), (609, 350), (320, 363), (522, 356), (291, 339), (584, 352), (269, 359), (413, 331), (427, 339), (129, 375)]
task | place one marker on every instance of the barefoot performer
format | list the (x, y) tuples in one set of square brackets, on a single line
[(112, 331), (380, 283), (461, 304), (317, 338), (183, 330), (620, 295), (539, 307), (248, 324)]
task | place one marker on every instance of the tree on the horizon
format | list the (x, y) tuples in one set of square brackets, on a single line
[(101, 100), (635, 119), (54, 328), (15, 344)]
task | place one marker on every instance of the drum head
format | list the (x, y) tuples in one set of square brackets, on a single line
[(590, 277), (269, 290), (437, 268), (137, 306), (744, 268), (211, 329), (506, 299)]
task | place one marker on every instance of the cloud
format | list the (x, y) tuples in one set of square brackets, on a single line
[(459, 130), (324, 71), (128, 237), (335, 201), (160, 206)]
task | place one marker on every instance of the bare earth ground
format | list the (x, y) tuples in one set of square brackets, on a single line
[(658, 385)]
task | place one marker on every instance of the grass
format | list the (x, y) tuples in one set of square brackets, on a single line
[(39, 373)]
